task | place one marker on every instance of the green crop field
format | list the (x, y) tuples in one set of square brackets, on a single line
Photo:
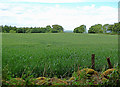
[(60, 54)]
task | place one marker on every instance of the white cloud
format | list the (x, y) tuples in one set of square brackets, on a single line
[(69, 18)]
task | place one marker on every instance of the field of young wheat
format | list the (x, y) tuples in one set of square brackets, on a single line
[(57, 54)]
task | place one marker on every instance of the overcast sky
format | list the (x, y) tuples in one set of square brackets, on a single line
[(67, 13)]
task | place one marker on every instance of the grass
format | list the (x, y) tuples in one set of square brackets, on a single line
[(57, 54)]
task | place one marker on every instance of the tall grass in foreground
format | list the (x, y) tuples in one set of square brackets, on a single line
[(55, 54)]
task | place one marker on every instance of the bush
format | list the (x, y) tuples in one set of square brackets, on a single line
[(12, 31)]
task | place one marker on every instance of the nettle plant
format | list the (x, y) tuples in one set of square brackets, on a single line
[(114, 78)]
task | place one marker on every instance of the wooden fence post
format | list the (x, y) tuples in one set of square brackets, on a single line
[(109, 63), (93, 61)]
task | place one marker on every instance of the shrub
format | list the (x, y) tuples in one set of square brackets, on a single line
[(12, 31)]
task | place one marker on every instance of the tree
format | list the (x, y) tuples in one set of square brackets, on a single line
[(91, 30), (110, 28), (36, 30), (57, 28), (48, 28), (96, 29), (6, 29), (99, 28), (43, 30), (116, 28), (28, 30), (54, 31), (14, 28), (12, 31), (20, 30), (80, 29)]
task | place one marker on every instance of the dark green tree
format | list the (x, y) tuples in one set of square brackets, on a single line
[(6, 29), (54, 31), (48, 28), (96, 29), (80, 29), (57, 28), (116, 28), (28, 30), (92, 30), (36, 30), (110, 28), (14, 28), (20, 30)]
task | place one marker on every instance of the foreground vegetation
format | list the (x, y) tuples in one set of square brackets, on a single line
[(86, 77), (55, 55)]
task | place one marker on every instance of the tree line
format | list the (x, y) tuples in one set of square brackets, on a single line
[(47, 29), (97, 28)]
